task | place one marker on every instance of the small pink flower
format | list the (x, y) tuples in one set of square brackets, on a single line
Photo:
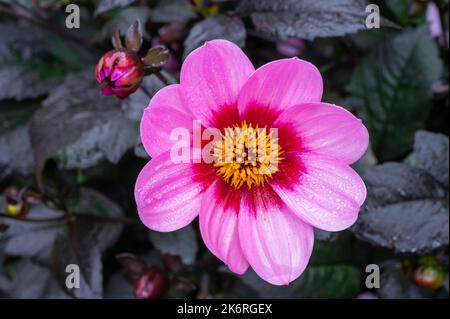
[(248, 218), (121, 71)]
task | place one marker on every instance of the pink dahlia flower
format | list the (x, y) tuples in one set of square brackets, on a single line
[(252, 213)]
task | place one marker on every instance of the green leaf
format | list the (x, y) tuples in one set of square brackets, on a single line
[(306, 19), (391, 88), (406, 210), (216, 27), (339, 281), (181, 243)]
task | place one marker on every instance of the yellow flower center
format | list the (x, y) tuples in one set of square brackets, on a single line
[(247, 155)]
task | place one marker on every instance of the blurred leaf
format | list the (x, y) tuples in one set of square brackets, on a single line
[(32, 281), (77, 248), (169, 11), (335, 253), (122, 19), (392, 87), (14, 139), (24, 73), (216, 27), (395, 284), (106, 5), (431, 154), (18, 42), (79, 126), (73, 56), (15, 153), (91, 206), (306, 19), (87, 237), (403, 11), (180, 243), (13, 114), (235, 288), (340, 281), (33, 240), (118, 287), (324, 235), (19, 82), (406, 210)]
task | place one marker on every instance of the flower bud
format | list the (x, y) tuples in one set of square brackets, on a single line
[(16, 204), (151, 285), (428, 277), (121, 71)]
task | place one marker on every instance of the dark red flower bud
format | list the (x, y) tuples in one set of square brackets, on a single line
[(151, 285), (428, 277), (121, 71)]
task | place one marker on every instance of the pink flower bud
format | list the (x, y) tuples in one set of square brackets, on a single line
[(151, 285), (121, 71)]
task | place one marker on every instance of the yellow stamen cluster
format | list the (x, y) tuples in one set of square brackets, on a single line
[(247, 155)]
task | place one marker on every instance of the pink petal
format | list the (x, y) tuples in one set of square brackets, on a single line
[(327, 129), (164, 113), (168, 195), (328, 194), (131, 77), (211, 78), (107, 90), (218, 226), (275, 242), (278, 85)]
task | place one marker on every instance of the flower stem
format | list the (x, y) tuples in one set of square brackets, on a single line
[(34, 220), (162, 78)]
